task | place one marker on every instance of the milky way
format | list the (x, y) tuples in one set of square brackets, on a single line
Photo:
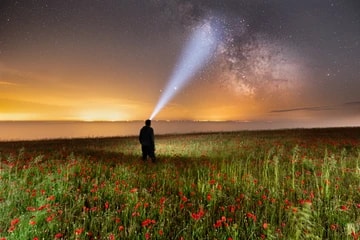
[(249, 63)]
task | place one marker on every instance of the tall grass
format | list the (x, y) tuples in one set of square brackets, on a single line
[(299, 184)]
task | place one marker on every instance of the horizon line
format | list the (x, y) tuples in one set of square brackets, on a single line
[(137, 120)]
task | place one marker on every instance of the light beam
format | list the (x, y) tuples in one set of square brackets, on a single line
[(196, 54)]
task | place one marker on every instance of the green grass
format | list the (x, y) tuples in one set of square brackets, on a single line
[(285, 184)]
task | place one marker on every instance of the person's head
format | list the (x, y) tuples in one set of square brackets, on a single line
[(148, 122)]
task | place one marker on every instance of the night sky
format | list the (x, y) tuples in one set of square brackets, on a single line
[(275, 61)]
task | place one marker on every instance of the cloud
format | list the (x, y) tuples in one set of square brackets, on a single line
[(344, 106), (7, 83), (356, 103), (15, 77), (320, 108)]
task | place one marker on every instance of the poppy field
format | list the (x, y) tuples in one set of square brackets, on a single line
[(278, 184)]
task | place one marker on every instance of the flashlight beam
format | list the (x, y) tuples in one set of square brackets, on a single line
[(196, 54)]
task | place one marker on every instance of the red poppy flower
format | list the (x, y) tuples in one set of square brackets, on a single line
[(58, 235), (147, 222), (198, 215)]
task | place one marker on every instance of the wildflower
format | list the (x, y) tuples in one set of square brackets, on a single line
[(344, 207), (355, 235), (121, 228), (94, 189), (11, 229), (15, 221), (50, 218), (134, 190), (32, 222), (58, 235), (232, 208), (265, 225), (111, 236), (220, 222), (287, 203), (212, 182), (106, 205), (51, 198), (147, 222), (334, 227), (79, 231), (135, 214), (184, 199), (117, 220), (147, 236), (137, 205), (304, 201), (312, 195), (162, 200), (13, 224), (198, 215), (208, 197), (43, 207), (31, 209), (161, 232), (217, 224), (252, 216)]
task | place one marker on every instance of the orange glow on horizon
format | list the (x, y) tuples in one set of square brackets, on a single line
[(101, 115)]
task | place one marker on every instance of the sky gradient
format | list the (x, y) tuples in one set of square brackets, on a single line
[(275, 61)]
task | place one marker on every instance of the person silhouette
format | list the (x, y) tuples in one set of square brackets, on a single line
[(147, 141)]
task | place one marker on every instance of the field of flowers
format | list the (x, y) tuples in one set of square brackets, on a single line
[(285, 184)]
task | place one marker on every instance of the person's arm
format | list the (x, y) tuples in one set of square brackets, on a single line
[(152, 138)]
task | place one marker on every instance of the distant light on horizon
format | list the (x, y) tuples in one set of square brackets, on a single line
[(197, 53)]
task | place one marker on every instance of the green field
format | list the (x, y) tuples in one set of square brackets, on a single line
[(284, 184)]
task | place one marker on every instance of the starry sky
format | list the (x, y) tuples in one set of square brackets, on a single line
[(275, 61)]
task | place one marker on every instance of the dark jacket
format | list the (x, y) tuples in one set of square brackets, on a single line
[(146, 136)]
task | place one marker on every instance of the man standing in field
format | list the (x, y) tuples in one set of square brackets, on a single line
[(146, 138)]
